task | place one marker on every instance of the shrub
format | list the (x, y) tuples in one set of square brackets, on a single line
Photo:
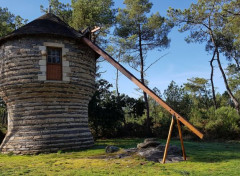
[(3, 131), (223, 124)]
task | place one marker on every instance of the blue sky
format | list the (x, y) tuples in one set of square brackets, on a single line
[(183, 60)]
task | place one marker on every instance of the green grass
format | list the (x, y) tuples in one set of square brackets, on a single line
[(204, 158)]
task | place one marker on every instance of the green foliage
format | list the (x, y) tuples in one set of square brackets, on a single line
[(224, 123), (108, 112), (134, 107), (105, 111), (9, 22), (63, 11), (3, 120), (208, 21), (177, 98), (161, 127), (3, 131), (230, 11), (233, 73), (133, 25), (86, 14), (6, 22), (197, 86), (200, 92), (223, 100), (91, 14)]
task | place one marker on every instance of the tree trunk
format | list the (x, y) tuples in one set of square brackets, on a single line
[(143, 81), (235, 101), (117, 75), (212, 83)]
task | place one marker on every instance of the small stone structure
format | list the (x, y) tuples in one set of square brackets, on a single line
[(150, 149), (46, 115)]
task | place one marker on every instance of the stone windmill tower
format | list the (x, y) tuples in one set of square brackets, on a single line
[(46, 80)]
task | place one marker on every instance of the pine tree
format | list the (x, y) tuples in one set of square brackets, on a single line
[(141, 33)]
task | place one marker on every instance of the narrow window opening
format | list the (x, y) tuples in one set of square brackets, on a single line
[(54, 63)]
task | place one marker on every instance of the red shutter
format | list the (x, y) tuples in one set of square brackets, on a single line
[(54, 71)]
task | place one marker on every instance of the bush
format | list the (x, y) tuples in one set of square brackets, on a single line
[(3, 131), (223, 124), (132, 129), (161, 128)]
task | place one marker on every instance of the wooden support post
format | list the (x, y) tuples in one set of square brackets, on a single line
[(141, 85), (181, 139), (168, 140)]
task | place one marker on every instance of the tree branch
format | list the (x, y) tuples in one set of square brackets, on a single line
[(155, 62), (133, 67)]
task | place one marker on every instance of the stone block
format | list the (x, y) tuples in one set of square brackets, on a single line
[(66, 69), (51, 44), (42, 62), (43, 52), (42, 48), (43, 68), (65, 51), (66, 78), (41, 78), (65, 63), (43, 73)]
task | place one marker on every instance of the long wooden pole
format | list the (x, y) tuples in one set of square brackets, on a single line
[(168, 140), (181, 139), (140, 85)]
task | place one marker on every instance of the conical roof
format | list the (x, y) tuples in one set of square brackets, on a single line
[(48, 24)]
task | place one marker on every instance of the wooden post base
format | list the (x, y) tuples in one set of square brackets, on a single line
[(168, 140), (181, 139), (169, 137)]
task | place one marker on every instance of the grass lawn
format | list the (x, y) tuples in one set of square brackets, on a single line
[(204, 158)]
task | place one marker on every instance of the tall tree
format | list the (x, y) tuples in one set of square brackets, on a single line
[(206, 23), (231, 14), (105, 110), (62, 10), (233, 73), (92, 14), (9, 22), (200, 93), (117, 48), (141, 33), (86, 15), (177, 98)]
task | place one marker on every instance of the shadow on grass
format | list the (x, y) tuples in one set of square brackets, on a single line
[(205, 152), (122, 143), (208, 152), (212, 152)]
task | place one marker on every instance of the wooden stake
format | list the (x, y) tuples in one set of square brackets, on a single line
[(181, 139), (168, 140)]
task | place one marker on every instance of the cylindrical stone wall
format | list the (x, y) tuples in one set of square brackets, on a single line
[(46, 116)]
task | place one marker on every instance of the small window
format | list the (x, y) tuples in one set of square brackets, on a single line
[(54, 63)]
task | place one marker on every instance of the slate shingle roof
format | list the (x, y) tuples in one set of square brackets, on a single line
[(48, 24)]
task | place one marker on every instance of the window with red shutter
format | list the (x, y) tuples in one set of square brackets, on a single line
[(54, 63)]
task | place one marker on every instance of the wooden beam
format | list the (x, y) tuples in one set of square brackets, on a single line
[(168, 140), (181, 139), (140, 85), (95, 29)]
